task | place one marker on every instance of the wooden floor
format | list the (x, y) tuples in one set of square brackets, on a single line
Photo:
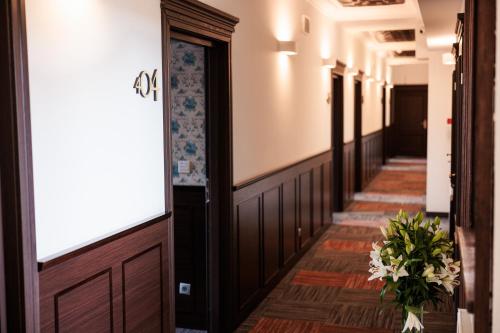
[(328, 290)]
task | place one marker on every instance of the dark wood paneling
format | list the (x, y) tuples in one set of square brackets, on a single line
[(371, 156), (349, 172), (123, 285), (289, 220), (248, 245), (76, 312), (269, 210), (142, 290), (387, 36), (317, 202), (305, 207), (327, 190), (190, 255), (367, 3), (271, 232)]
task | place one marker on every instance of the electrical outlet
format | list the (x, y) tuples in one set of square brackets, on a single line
[(184, 288)]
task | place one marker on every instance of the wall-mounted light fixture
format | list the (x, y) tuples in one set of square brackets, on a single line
[(352, 71), (329, 62), (287, 47)]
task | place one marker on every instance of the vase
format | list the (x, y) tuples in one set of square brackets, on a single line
[(420, 318)]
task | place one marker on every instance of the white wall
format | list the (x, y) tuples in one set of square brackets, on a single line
[(97, 146), (496, 227), (438, 134), (410, 74), (280, 113)]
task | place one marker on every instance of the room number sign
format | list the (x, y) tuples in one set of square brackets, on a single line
[(146, 83)]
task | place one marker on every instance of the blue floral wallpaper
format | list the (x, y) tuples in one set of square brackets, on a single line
[(187, 81)]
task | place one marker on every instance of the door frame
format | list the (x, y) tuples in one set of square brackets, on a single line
[(337, 136), (358, 132), (476, 172), (204, 23), (21, 275)]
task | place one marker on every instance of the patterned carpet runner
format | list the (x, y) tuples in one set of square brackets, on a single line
[(328, 290)]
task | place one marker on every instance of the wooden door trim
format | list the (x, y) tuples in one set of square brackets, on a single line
[(198, 20), (21, 277), (480, 26)]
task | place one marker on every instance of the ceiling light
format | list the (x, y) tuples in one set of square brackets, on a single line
[(448, 59), (329, 62), (288, 47), (441, 41)]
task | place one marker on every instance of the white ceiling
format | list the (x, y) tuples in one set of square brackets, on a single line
[(433, 20), (332, 8), (439, 19)]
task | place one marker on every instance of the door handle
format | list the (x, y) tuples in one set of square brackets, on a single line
[(424, 123)]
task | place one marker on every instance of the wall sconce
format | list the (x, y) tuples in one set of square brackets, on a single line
[(287, 47), (352, 71), (329, 63)]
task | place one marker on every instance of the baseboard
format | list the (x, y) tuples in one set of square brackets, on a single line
[(437, 214)]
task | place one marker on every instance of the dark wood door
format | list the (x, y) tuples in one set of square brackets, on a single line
[(338, 143), (410, 120), (358, 126)]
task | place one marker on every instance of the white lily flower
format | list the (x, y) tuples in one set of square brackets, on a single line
[(449, 282), (412, 322), (451, 267), (378, 272), (428, 271), (395, 271)]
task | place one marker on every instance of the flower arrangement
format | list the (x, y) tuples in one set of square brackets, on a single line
[(415, 261)]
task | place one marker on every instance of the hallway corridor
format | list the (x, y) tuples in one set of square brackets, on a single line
[(328, 290)]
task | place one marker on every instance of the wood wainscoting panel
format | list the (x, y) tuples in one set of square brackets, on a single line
[(75, 311), (327, 190), (371, 156), (349, 172), (317, 202), (268, 212), (142, 290), (123, 284), (271, 232), (305, 206), (248, 249), (289, 220)]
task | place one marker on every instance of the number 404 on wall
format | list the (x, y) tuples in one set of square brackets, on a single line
[(146, 83)]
